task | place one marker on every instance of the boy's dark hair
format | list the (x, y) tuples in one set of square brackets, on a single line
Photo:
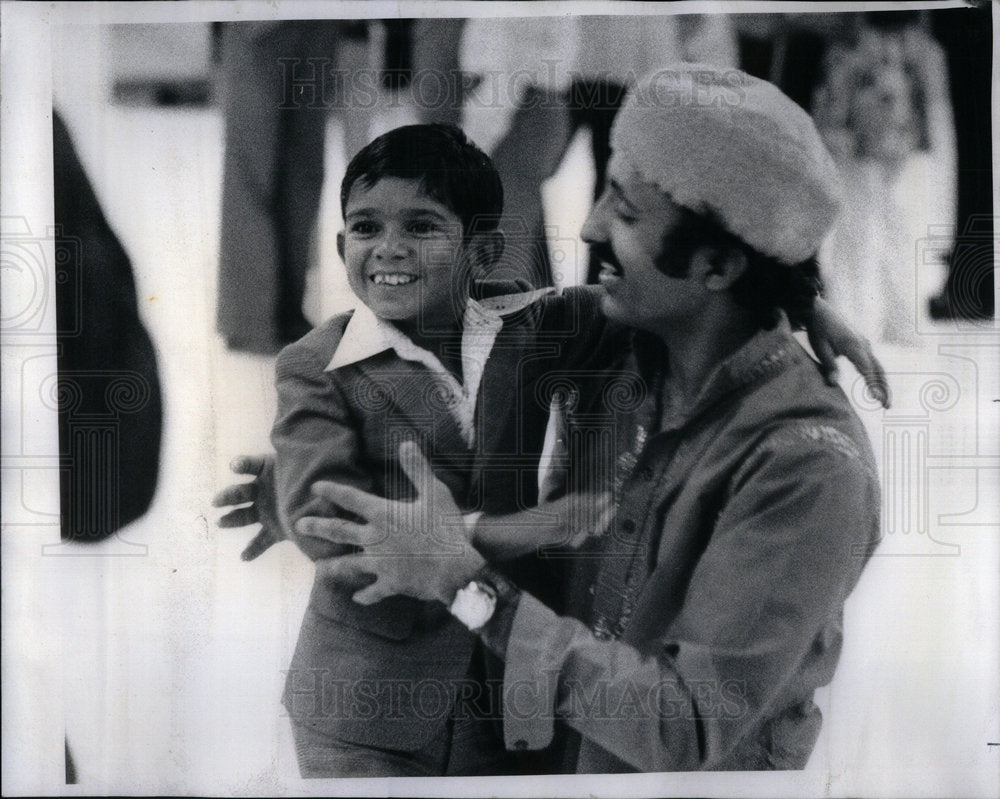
[(766, 285), (450, 169)]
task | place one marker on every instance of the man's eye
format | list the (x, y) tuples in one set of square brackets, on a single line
[(625, 216)]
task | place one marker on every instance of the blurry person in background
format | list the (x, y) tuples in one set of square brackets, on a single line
[(883, 110), (613, 51), (110, 408), (519, 73), (533, 82), (967, 37), (279, 82)]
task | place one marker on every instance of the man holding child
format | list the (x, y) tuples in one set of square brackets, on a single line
[(691, 631)]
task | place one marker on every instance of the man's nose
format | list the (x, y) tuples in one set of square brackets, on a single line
[(594, 229)]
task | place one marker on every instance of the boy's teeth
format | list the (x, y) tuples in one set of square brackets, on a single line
[(393, 279)]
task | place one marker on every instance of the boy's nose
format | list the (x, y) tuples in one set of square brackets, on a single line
[(390, 246)]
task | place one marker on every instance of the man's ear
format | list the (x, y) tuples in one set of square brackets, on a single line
[(340, 245), (486, 249), (719, 267)]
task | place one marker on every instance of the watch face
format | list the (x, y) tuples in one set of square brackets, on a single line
[(474, 605)]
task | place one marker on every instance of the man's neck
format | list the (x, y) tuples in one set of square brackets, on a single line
[(695, 349)]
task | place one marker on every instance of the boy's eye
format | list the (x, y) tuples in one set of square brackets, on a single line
[(363, 227), (422, 227)]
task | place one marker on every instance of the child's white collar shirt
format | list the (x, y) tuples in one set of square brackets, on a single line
[(367, 335)]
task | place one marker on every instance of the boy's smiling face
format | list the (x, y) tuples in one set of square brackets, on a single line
[(403, 252)]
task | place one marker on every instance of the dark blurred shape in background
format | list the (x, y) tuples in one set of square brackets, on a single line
[(110, 408), (967, 37)]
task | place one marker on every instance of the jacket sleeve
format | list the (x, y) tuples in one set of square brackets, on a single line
[(315, 438), (785, 551)]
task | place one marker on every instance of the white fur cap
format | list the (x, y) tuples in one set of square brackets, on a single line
[(723, 141)]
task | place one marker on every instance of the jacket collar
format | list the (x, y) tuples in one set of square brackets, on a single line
[(367, 335)]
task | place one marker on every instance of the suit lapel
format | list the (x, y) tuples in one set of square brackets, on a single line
[(407, 396)]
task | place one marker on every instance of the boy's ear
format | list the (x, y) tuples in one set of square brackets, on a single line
[(340, 245), (718, 267)]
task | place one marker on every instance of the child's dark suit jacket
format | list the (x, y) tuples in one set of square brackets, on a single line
[(387, 675)]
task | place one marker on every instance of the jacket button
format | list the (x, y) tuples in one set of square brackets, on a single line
[(628, 526), (520, 744)]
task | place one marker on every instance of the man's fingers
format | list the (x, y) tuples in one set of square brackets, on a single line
[(350, 498), (345, 569), (240, 517), (338, 531), (248, 464), (235, 495), (258, 545), (373, 593)]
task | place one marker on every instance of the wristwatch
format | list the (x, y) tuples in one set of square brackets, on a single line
[(475, 604), (478, 602)]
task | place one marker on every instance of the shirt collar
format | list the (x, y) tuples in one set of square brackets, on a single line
[(367, 335), (767, 352)]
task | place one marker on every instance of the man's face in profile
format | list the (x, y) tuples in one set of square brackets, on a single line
[(627, 230)]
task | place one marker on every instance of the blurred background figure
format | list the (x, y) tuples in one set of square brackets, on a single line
[(278, 82), (108, 392), (968, 293), (437, 82), (884, 112), (110, 411), (935, 67), (536, 82), (613, 51), (517, 111)]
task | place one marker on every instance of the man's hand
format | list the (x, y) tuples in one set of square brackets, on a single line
[(418, 549), (830, 335), (258, 502)]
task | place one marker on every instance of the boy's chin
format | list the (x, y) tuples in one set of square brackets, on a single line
[(393, 309), (413, 318)]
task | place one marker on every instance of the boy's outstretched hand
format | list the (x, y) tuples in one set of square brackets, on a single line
[(257, 501), (418, 548)]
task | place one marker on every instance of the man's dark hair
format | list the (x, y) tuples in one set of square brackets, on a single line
[(449, 167), (767, 285)]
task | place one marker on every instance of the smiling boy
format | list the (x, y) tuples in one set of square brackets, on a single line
[(399, 688)]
